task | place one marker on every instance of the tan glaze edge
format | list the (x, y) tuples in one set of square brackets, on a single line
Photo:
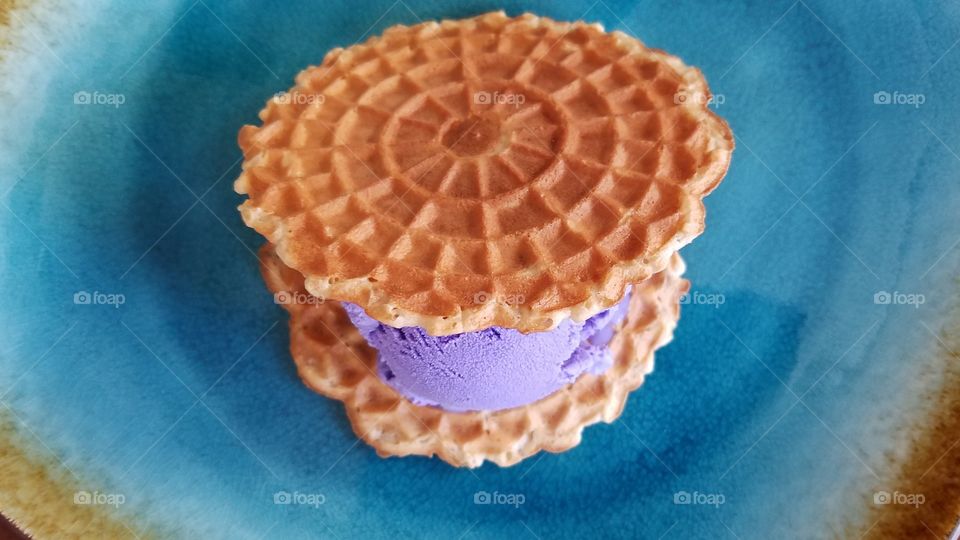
[(36, 493), (6, 6), (931, 467)]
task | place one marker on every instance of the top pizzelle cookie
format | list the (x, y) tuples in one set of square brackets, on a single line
[(488, 171)]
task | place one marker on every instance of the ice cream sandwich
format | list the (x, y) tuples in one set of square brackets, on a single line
[(474, 226)]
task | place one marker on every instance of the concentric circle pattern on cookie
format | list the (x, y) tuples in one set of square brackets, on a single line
[(333, 359), (490, 171)]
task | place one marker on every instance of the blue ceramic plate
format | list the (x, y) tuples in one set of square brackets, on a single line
[(145, 384)]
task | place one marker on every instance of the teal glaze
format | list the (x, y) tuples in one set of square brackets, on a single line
[(115, 397)]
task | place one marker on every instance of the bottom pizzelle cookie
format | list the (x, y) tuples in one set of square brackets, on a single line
[(334, 360)]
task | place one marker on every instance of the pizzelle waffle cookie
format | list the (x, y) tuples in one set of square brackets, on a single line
[(334, 360), (492, 171)]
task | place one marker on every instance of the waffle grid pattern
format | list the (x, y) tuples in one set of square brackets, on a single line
[(490, 171), (334, 360)]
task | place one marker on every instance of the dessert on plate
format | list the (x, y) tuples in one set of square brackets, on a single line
[(474, 227)]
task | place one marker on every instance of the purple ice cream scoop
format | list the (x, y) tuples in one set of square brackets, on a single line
[(491, 369)]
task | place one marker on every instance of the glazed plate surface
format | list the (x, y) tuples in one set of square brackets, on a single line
[(146, 389)]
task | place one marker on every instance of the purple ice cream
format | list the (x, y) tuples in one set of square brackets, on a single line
[(491, 369)]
